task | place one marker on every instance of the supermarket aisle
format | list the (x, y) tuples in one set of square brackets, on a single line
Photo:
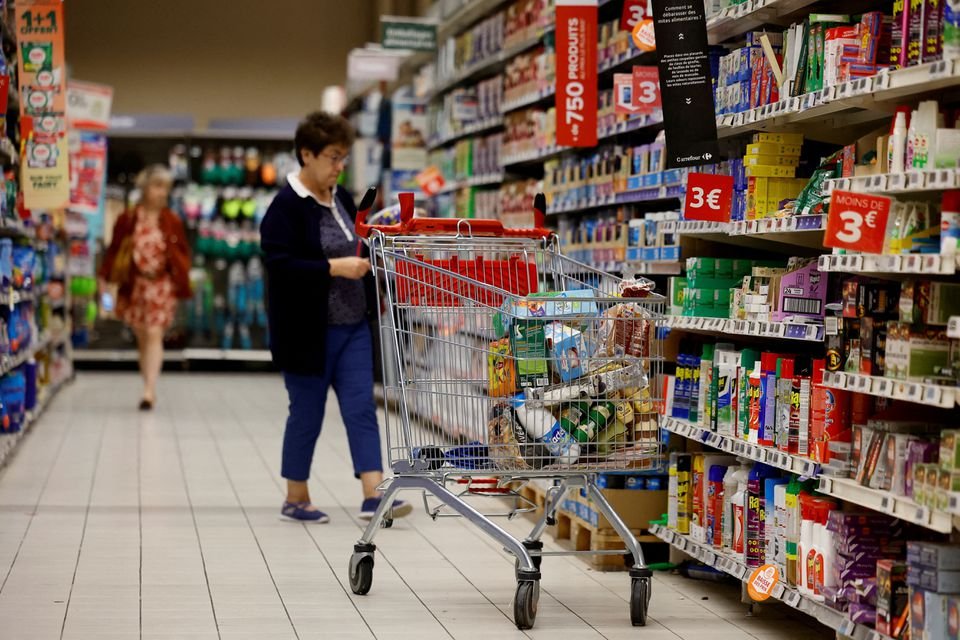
[(115, 524)]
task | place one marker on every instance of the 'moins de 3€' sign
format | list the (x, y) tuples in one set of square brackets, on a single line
[(576, 96), (857, 221)]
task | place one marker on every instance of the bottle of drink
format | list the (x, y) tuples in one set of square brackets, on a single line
[(599, 416), (541, 426)]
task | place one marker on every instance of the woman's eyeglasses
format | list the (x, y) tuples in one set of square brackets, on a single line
[(337, 159)]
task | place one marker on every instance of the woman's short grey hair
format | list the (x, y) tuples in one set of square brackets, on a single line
[(154, 173)]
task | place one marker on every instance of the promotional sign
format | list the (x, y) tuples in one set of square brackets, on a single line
[(45, 176), (88, 106), (88, 170), (762, 581), (709, 197), (633, 13), (623, 103), (646, 89), (408, 149), (576, 46), (430, 180), (644, 35), (685, 83), (857, 221), (408, 33)]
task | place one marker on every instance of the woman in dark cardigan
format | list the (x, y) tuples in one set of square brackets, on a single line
[(320, 306)]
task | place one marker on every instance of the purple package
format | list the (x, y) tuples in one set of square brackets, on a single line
[(836, 598), (900, 38), (914, 34), (803, 294), (918, 452), (866, 591), (857, 571), (863, 521), (932, 31), (862, 614)]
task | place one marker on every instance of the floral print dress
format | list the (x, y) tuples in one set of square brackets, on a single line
[(152, 302)]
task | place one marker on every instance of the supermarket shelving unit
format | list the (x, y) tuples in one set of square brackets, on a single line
[(833, 115)]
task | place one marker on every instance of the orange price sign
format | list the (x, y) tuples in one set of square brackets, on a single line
[(762, 582), (430, 180), (643, 35)]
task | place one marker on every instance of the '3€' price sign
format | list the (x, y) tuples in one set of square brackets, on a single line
[(857, 221), (709, 197)]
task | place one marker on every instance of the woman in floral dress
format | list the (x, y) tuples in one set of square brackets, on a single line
[(150, 243)]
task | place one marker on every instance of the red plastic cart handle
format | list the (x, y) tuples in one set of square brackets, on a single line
[(410, 226)]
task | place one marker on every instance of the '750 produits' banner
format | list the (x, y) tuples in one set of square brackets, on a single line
[(45, 174), (576, 46)]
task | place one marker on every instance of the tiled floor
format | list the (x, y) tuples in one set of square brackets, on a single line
[(115, 524)]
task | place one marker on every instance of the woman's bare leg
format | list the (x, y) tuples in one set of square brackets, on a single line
[(141, 335), (152, 361)]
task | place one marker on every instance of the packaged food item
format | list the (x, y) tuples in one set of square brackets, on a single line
[(502, 443), (528, 342), (568, 351), (554, 304), (625, 331), (500, 369)]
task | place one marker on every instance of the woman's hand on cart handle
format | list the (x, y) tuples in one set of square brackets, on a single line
[(350, 268)]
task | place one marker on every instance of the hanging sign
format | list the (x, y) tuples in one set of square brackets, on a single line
[(414, 34), (646, 89), (88, 106), (857, 221), (633, 13), (576, 95), (623, 94), (45, 175), (689, 118), (709, 197)]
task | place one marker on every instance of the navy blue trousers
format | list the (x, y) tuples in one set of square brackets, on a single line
[(349, 370)]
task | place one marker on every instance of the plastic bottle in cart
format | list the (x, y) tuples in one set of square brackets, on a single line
[(541, 426)]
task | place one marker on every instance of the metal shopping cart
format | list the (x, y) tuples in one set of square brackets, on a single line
[(533, 366)]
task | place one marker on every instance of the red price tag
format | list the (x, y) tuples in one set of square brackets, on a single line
[(709, 197), (646, 89), (644, 36), (857, 221), (576, 101), (431, 181), (633, 12)]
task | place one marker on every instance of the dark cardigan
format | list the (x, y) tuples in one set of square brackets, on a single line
[(298, 280)]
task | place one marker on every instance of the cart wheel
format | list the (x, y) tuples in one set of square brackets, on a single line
[(639, 601), (361, 574), (525, 604), (386, 523)]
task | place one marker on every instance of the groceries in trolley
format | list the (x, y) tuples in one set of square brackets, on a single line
[(569, 381)]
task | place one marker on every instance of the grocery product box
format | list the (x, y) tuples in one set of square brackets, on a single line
[(773, 149), (637, 508), (568, 350), (934, 555), (764, 171), (528, 341), (892, 594), (770, 160), (793, 139), (928, 615)]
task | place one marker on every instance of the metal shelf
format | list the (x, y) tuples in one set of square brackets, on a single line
[(473, 181), (734, 566), (738, 20), (917, 392), (926, 264), (829, 111), (899, 183), (774, 457), (900, 507), (491, 63), (752, 328), (527, 100), (481, 126), (797, 231), (9, 442)]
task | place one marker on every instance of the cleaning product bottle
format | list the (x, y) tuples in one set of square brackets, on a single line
[(705, 384), (748, 362), (756, 511), (898, 144), (726, 513), (793, 531), (911, 141), (807, 515), (715, 488), (925, 131), (697, 514), (951, 29), (738, 507), (826, 575), (823, 539)]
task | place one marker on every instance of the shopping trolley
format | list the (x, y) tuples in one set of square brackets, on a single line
[(504, 363)]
